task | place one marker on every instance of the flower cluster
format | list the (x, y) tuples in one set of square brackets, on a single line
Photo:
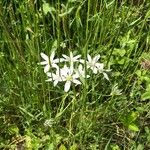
[(72, 70)]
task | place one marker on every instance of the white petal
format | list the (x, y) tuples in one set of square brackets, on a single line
[(89, 58), (43, 63), (76, 82), (96, 58), (81, 61), (88, 65), (50, 79), (61, 59), (45, 57), (52, 56), (94, 70), (77, 57), (65, 56), (63, 78), (75, 76), (49, 74), (67, 86), (105, 76), (108, 70), (71, 55), (46, 68), (55, 82), (99, 66), (55, 61), (64, 71), (87, 76), (71, 68), (55, 66), (80, 68)]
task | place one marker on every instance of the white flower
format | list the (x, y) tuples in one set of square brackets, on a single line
[(63, 45), (93, 63), (81, 72), (71, 58), (102, 70), (68, 76), (49, 62), (115, 90), (54, 77)]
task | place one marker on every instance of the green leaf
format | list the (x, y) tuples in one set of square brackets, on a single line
[(133, 116), (28, 142), (50, 146), (140, 147), (120, 52), (147, 15), (24, 111), (138, 73), (146, 95), (46, 8), (121, 61), (133, 127), (115, 147), (54, 46), (67, 12), (74, 147), (62, 147), (130, 118), (13, 129)]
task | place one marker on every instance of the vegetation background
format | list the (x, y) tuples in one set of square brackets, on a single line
[(101, 115)]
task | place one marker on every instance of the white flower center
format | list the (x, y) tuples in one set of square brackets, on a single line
[(69, 78)]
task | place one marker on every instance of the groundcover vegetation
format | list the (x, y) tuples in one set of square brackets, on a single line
[(75, 74)]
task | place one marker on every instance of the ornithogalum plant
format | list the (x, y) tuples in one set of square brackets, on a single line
[(73, 68)]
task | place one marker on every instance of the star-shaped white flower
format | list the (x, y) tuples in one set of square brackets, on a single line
[(93, 63), (55, 77), (49, 62), (69, 76), (116, 90), (71, 58), (102, 70), (81, 72)]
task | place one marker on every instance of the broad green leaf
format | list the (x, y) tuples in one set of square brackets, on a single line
[(50, 146), (46, 8), (146, 95), (130, 118), (133, 127), (138, 73), (133, 116), (13, 129), (140, 147), (120, 52), (121, 61), (28, 142), (115, 147), (62, 147), (74, 147)]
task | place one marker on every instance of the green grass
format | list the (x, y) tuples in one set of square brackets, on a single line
[(92, 116)]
